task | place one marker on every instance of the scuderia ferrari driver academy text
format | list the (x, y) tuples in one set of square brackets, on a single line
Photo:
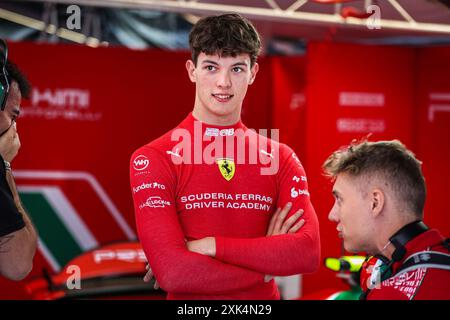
[(233, 201)]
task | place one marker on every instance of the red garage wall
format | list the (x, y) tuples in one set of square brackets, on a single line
[(432, 131), (93, 107), (89, 110), (289, 101), (352, 91)]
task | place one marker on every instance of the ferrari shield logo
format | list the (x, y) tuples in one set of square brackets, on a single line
[(227, 168)]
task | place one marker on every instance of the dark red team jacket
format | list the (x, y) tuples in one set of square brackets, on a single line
[(419, 283)]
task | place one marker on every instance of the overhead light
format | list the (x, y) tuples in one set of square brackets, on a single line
[(273, 13), (332, 1), (50, 29)]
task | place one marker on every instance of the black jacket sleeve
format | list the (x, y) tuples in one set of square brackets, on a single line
[(10, 218)]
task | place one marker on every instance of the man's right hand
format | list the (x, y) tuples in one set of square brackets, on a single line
[(149, 275), (9, 143), (280, 225)]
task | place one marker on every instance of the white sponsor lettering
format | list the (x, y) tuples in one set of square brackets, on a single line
[(140, 162), (151, 185), (406, 282), (200, 205), (127, 255), (61, 97), (297, 179), (154, 202), (174, 153), (236, 201), (299, 192), (63, 103), (296, 158), (229, 205), (422, 257), (226, 196), (241, 145), (361, 125), (207, 196), (215, 132), (212, 132), (361, 99), (256, 206)]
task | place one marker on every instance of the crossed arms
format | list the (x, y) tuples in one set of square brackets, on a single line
[(217, 265)]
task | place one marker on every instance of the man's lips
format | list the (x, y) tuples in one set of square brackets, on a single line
[(222, 97), (340, 235)]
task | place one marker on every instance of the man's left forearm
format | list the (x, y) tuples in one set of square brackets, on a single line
[(22, 244)]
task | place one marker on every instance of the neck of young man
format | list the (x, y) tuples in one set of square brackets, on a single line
[(384, 245), (204, 115)]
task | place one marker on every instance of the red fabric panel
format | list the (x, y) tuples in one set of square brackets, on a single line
[(351, 91), (102, 104), (288, 102), (433, 132)]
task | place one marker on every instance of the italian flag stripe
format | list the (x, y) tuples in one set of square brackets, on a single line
[(56, 237)]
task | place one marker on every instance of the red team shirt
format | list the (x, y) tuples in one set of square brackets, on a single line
[(178, 197), (419, 283)]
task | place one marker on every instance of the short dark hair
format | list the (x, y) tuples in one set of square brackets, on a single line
[(226, 35), (14, 73), (391, 161)]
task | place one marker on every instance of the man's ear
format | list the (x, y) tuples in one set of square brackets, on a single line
[(378, 200), (190, 67), (254, 71)]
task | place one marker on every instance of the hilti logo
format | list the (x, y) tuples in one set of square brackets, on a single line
[(75, 98), (140, 163)]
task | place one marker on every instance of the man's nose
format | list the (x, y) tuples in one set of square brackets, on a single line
[(224, 80), (333, 216)]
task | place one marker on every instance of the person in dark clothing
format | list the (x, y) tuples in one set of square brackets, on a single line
[(18, 237)]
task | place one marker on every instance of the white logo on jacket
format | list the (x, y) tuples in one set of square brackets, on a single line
[(174, 153), (215, 132), (266, 153), (151, 185), (140, 162), (294, 156), (296, 192), (154, 202), (297, 179)]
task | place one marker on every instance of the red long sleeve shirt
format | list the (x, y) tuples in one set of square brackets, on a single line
[(202, 180)]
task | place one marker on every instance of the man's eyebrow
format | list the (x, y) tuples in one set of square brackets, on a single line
[(210, 62), (215, 63)]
